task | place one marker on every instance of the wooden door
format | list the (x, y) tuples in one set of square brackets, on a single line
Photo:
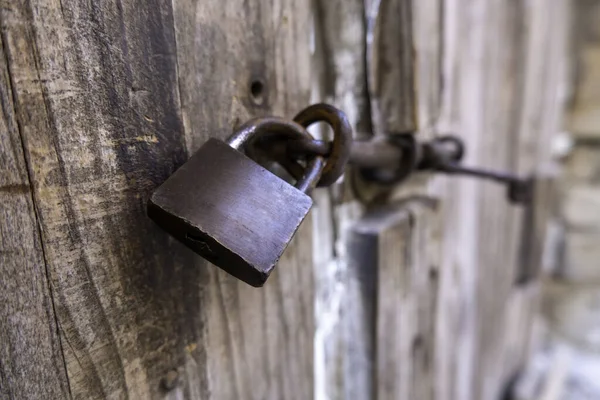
[(102, 100), (408, 296), (424, 298)]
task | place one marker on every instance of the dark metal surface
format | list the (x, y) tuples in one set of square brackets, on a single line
[(311, 176), (391, 159), (265, 128), (384, 159), (276, 128), (230, 210), (519, 190), (393, 171), (342, 138), (372, 153), (441, 150), (444, 155)]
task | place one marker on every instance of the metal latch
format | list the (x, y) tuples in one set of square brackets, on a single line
[(388, 160)]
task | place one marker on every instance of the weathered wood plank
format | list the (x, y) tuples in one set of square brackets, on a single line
[(391, 66), (390, 306), (339, 77), (112, 96), (393, 279), (102, 125), (259, 343), (496, 250), (495, 59), (428, 27), (543, 98), (409, 241), (340, 59), (583, 115), (31, 359), (96, 98), (502, 81), (406, 305)]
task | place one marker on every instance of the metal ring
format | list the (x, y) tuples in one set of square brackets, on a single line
[(274, 127), (342, 138), (459, 146)]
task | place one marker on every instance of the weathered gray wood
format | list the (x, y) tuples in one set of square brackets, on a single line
[(496, 250), (391, 66), (408, 241), (31, 359), (339, 77), (543, 98), (392, 272), (583, 115), (389, 304), (535, 227), (97, 97), (340, 59), (259, 342), (112, 96), (428, 27), (503, 82), (491, 98), (409, 247)]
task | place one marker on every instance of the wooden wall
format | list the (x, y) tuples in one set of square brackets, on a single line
[(102, 100), (444, 317)]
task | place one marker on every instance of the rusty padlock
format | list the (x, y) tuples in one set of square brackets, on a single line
[(232, 211)]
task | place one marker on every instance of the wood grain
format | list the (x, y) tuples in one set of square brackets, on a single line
[(109, 100), (340, 59), (31, 360), (259, 343), (391, 66), (428, 34), (582, 115), (103, 100), (497, 56), (339, 77), (101, 131), (396, 283)]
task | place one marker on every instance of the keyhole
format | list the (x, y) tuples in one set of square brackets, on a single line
[(257, 88)]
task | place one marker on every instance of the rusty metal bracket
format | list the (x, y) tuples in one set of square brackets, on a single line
[(444, 154), (391, 159), (387, 160)]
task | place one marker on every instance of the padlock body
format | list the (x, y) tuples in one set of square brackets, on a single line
[(230, 210)]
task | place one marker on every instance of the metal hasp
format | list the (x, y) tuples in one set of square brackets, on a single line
[(444, 155), (390, 159)]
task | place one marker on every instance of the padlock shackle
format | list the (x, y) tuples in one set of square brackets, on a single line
[(279, 127), (313, 173), (265, 126)]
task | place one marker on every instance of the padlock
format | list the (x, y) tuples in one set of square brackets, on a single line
[(232, 211)]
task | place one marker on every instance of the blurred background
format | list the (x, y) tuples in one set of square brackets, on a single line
[(567, 365)]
